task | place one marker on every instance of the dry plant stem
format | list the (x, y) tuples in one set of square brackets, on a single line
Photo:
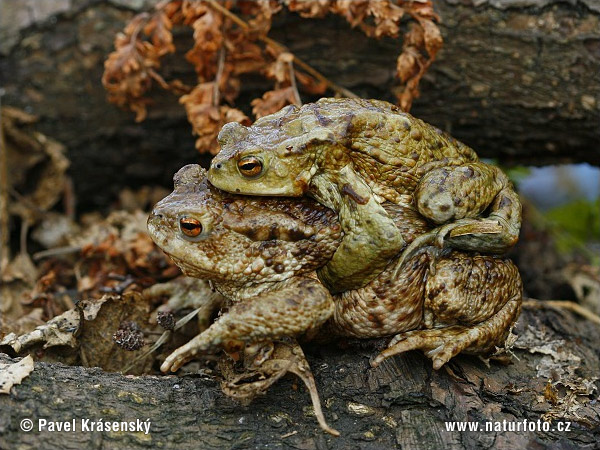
[(23, 237), (297, 99), (267, 40), (220, 67), (563, 304), (4, 249), (58, 251)]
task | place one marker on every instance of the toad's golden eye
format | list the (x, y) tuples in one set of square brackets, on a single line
[(250, 166), (190, 227)]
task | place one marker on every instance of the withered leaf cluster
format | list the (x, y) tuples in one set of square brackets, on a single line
[(231, 39)]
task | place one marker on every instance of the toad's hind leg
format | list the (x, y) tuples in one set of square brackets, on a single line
[(299, 306), (474, 205), (471, 304)]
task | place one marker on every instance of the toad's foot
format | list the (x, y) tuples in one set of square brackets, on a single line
[(294, 308), (442, 344), (286, 357), (476, 232)]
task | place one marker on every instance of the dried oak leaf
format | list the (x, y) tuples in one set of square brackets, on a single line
[(206, 118), (58, 331), (243, 56), (354, 11), (158, 29), (131, 68), (279, 69), (208, 39), (272, 101), (102, 320), (11, 374), (38, 166), (387, 18), (432, 37), (407, 65), (312, 9), (261, 14)]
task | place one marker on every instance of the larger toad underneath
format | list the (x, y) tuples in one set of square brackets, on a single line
[(262, 253)]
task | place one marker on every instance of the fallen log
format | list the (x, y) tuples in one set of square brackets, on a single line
[(403, 403)]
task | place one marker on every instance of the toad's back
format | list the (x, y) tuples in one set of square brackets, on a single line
[(389, 148)]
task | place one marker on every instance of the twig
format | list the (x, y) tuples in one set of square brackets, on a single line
[(4, 230), (220, 67), (563, 304), (69, 198), (23, 238), (267, 40), (297, 99), (55, 252)]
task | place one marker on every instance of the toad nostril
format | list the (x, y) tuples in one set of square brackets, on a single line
[(218, 166), (156, 213)]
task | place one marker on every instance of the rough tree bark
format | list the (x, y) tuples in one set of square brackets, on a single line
[(402, 403), (518, 80)]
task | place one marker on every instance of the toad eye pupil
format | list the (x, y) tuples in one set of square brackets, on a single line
[(250, 166), (190, 227)]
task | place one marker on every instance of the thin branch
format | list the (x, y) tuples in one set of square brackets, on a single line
[(267, 40), (4, 229), (563, 304), (57, 251), (218, 76), (297, 99)]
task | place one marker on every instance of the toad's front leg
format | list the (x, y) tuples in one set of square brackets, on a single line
[(457, 198), (371, 238), (471, 302), (292, 308)]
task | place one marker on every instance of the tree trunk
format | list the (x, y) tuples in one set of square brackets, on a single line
[(517, 80), (401, 403)]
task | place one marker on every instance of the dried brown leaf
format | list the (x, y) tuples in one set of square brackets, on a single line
[(407, 65), (432, 36), (311, 9), (11, 374), (354, 11), (272, 101)]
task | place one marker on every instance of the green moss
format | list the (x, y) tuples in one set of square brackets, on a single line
[(575, 225)]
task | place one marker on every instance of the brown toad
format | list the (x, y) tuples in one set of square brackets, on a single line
[(261, 254), (356, 155)]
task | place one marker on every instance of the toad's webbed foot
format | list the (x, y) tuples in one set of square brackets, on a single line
[(259, 374), (474, 233), (440, 345)]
